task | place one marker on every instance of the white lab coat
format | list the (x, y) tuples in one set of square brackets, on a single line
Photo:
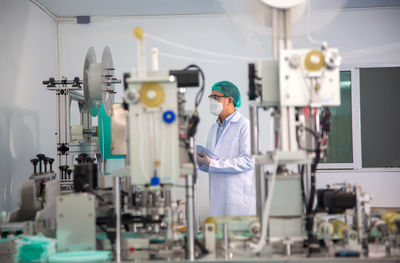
[(232, 189)]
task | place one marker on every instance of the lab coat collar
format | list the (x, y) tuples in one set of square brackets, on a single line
[(234, 117)]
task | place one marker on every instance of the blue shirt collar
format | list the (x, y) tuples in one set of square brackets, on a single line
[(227, 119)]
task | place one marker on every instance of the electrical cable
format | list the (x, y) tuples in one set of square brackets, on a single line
[(309, 206), (308, 30), (190, 58), (99, 197), (87, 188), (203, 250), (200, 51), (303, 193), (194, 120), (312, 133), (200, 93), (313, 183)]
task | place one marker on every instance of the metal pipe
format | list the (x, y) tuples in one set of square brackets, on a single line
[(275, 33), (259, 175), (63, 128), (58, 139), (226, 240), (284, 134), (141, 57), (196, 214), (281, 24), (190, 206), (154, 58), (117, 207), (288, 248), (196, 207), (288, 28), (254, 129), (189, 217), (67, 125)]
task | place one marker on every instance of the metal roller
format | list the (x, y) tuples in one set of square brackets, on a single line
[(107, 80), (98, 81)]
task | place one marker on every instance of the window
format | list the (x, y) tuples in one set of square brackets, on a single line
[(380, 121), (340, 139), (366, 126)]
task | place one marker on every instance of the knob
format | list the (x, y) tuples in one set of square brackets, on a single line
[(40, 156), (50, 160), (34, 162)]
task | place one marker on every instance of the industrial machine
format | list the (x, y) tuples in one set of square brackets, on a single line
[(160, 151), (149, 214), (98, 88)]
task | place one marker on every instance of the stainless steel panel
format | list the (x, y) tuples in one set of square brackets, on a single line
[(76, 226)]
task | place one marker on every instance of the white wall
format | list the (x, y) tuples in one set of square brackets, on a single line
[(363, 36), (27, 109)]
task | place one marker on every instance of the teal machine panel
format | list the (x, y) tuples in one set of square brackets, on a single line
[(105, 135)]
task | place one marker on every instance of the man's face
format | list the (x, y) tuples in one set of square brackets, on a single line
[(220, 97)]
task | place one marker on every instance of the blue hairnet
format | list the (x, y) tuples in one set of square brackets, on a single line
[(228, 89)]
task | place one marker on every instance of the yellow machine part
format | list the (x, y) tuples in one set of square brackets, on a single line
[(138, 32), (151, 94), (390, 219), (339, 226), (212, 220), (313, 65)]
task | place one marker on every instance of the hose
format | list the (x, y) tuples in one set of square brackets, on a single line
[(266, 212)]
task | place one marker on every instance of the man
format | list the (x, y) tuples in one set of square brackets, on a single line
[(232, 190)]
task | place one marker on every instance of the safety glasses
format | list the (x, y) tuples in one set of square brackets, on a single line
[(216, 97)]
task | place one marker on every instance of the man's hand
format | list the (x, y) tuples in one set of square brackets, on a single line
[(203, 159)]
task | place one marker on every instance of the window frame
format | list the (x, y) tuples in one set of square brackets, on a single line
[(356, 165)]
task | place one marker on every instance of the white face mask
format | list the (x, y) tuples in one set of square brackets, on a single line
[(215, 107)]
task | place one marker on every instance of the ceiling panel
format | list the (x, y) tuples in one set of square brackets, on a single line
[(180, 7), (131, 7)]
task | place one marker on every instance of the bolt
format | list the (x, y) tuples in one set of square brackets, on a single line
[(131, 95)]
